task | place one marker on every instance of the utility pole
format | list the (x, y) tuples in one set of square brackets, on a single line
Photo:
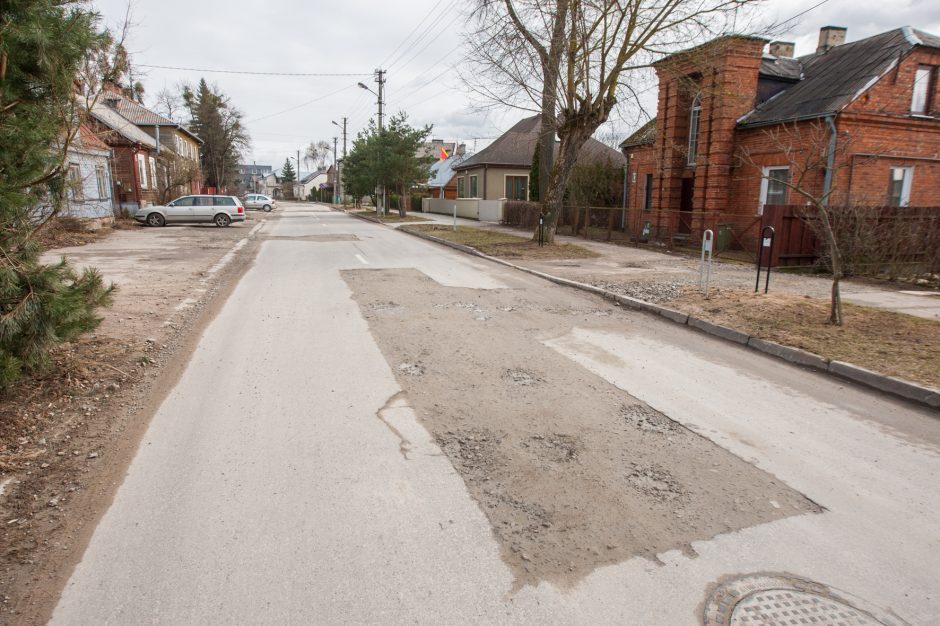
[(343, 162), (335, 174), (380, 78), (297, 184)]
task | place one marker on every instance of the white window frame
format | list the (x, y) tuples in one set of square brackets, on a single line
[(908, 177), (142, 170), (695, 121), (153, 172), (920, 93), (101, 174), (76, 183), (765, 184)]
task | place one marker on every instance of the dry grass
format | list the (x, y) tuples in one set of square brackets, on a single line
[(500, 244), (890, 343), (392, 218)]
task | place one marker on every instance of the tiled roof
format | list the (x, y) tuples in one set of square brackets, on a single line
[(515, 148), (645, 135), (135, 112), (121, 125), (833, 79)]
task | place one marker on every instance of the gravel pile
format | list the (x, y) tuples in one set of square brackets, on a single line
[(648, 292)]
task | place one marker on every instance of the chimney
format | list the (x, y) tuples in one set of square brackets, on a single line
[(830, 37), (462, 149), (782, 49)]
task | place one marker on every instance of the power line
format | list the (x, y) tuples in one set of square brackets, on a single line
[(248, 73), (413, 31), (440, 32), (301, 105)]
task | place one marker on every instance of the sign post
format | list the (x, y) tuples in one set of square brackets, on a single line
[(705, 272), (765, 240)]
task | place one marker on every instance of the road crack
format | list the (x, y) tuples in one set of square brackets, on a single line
[(404, 445)]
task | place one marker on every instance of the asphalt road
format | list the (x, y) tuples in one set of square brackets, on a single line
[(267, 490)]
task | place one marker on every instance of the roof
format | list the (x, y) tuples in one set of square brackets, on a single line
[(121, 125), (140, 115), (781, 68), (515, 148), (443, 171), (644, 135), (833, 79), (86, 138)]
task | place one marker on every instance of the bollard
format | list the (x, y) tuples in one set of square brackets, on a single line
[(541, 230), (705, 272), (765, 241)]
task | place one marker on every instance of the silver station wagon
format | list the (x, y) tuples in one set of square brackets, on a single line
[(220, 210), (260, 201)]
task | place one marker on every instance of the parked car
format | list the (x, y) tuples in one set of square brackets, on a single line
[(260, 201), (220, 210)]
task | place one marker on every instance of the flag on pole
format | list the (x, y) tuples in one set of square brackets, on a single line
[(444, 154)]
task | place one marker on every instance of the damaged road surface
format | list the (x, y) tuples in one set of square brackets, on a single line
[(377, 429)]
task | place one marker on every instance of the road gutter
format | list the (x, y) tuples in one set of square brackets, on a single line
[(897, 387)]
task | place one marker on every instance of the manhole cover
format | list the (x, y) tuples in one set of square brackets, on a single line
[(769, 600)]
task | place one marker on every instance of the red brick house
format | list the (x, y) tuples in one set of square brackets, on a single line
[(731, 117)]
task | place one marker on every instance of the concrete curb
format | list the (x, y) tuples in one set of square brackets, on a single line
[(887, 384)]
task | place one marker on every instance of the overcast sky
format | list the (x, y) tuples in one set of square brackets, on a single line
[(285, 113)]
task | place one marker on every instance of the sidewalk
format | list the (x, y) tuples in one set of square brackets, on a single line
[(657, 276)]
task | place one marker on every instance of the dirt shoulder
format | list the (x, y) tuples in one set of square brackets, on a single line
[(67, 436)]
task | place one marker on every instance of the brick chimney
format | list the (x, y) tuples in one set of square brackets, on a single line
[(783, 49), (830, 37)]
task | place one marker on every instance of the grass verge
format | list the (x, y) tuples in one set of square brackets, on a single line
[(891, 343), (504, 245), (391, 218)]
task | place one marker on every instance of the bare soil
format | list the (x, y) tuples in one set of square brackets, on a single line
[(68, 434), (501, 244), (391, 218), (896, 344), (572, 472)]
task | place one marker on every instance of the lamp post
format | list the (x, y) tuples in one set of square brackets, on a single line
[(339, 169), (380, 79)]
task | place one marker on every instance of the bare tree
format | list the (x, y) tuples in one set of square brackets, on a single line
[(813, 154), (574, 60), (169, 103), (318, 153)]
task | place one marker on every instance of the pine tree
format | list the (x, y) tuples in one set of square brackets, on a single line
[(287, 172), (42, 45), (534, 174), (219, 125)]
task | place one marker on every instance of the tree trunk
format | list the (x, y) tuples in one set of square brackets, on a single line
[(402, 211), (835, 257), (553, 203)]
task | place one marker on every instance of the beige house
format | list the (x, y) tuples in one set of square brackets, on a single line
[(501, 170)]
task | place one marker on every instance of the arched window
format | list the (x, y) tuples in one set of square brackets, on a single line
[(694, 115)]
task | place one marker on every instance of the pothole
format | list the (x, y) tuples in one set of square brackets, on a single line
[(644, 418), (523, 378), (411, 369), (782, 599)]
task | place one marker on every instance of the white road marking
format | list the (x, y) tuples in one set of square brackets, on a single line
[(362, 259)]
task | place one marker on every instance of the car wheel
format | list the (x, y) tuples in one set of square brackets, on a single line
[(267, 208), (155, 219), (222, 220)]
